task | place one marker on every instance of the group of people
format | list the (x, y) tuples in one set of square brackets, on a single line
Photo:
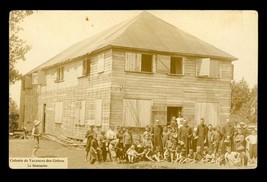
[(176, 142)]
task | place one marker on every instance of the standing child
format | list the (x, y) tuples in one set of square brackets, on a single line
[(173, 148), (165, 136), (251, 141), (36, 135)]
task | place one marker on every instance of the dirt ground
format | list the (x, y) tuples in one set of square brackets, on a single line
[(23, 148)]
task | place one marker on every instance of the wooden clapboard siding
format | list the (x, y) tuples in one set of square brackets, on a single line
[(75, 87), (166, 90)]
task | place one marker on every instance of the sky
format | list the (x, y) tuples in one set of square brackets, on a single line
[(51, 32)]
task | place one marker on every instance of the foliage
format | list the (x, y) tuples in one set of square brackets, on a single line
[(17, 47), (244, 102), (13, 114)]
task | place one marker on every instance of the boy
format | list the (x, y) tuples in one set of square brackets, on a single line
[(232, 158), (36, 135), (252, 145)]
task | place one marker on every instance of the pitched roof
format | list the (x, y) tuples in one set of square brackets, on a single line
[(145, 32)]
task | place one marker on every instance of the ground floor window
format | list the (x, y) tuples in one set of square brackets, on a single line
[(137, 113), (208, 111)]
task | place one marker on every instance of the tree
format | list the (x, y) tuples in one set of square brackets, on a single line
[(244, 102), (13, 114), (17, 47), (240, 95)]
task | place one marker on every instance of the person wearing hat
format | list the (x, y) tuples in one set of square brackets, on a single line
[(89, 136), (228, 134), (36, 135)]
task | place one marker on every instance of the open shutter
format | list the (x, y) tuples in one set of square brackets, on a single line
[(101, 63), (163, 64), (133, 62), (98, 112), (58, 112), (154, 63), (203, 67), (232, 71)]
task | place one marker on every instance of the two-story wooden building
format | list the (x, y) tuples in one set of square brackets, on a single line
[(129, 75)]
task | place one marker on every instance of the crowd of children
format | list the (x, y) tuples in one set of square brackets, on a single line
[(179, 144)]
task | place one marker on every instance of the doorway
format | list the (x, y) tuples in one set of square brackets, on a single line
[(44, 118), (172, 111)]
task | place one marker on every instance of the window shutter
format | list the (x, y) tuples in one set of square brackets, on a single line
[(58, 112), (204, 67), (77, 112), (154, 64), (82, 113), (98, 112), (101, 63), (232, 71), (35, 78), (208, 111), (133, 62), (41, 77), (163, 64), (144, 112), (28, 82), (130, 113)]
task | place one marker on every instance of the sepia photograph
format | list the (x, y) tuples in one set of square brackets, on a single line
[(133, 89)]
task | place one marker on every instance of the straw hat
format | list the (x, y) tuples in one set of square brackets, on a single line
[(36, 122)]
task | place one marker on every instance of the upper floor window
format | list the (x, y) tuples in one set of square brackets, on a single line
[(206, 67), (60, 74), (146, 63), (86, 67), (138, 62), (177, 67), (170, 65)]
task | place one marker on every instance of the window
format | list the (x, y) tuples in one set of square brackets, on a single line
[(98, 112), (80, 113), (146, 63), (208, 68), (209, 111), (170, 65), (86, 67), (101, 63), (60, 74), (137, 62), (137, 113), (58, 112), (176, 66)]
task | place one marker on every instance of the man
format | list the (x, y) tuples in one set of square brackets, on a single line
[(202, 131), (157, 135), (185, 134), (228, 134), (111, 134), (210, 136), (89, 136), (244, 131), (36, 135)]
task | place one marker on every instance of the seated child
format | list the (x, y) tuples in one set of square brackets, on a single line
[(131, 154), (190, 157), (150, 155), (232, 158), (220, 159), (210, 157), (198, 154), (182, 157)]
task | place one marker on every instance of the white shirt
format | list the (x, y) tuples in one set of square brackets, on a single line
[(111, 135), (252, 139)]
